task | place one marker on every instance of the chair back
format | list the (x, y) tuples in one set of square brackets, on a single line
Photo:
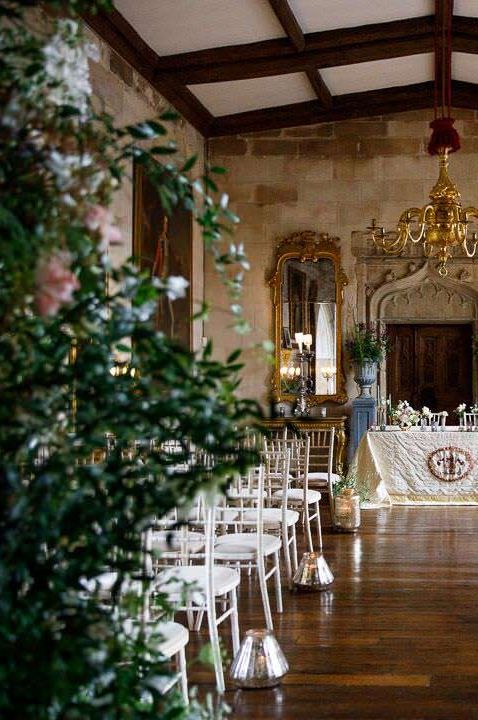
[(321, 450), (470, 420)]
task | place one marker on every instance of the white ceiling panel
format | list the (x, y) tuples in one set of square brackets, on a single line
[(379, 74), (469, 8), (224, 98), (176, 26), (464, 66), (317, 15)]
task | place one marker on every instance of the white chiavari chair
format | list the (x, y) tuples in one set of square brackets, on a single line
[(281, 520), (321, 459), (300, 496), (250, 547), (199, 588), (470, 420)]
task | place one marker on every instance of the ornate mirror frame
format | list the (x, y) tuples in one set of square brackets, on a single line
[(307, 246)]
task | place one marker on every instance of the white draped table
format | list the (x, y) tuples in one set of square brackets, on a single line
[(414, 467)]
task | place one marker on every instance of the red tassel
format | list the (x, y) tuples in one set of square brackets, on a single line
[(444, 136)]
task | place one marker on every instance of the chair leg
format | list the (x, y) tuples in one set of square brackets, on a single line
[(286, 551), (183, 675), (236, 640), (190, 617), (307, 528), (294, 549), (261, 571), (277, 581), (198, 623), (216, 649), (319, 526)]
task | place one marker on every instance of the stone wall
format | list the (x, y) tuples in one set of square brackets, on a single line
[(122, 92), (330, 178)]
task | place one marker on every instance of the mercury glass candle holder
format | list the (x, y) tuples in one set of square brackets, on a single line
[(347, 511), (260, 662), (313, 572)]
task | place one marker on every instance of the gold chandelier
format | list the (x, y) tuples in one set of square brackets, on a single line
[(443, 224), (440, 226)]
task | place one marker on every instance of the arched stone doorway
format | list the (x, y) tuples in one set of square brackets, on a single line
[(423, 297)]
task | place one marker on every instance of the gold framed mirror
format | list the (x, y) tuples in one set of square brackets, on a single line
[(307, 298)]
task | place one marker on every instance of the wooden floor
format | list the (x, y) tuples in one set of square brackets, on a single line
[(396, 636)]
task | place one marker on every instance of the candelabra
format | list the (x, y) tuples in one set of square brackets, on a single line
[(328, 374), (305, 383)]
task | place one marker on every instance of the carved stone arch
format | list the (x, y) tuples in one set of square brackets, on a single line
[(450, 293), (424, 297)]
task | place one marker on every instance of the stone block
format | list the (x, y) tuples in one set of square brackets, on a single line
[(354, 169), (328, 148), (121, 68), (412, 128), (262, 134), (311, 131), (107, 87), (389, 146), (273, 147), (225, 146), (277, 193), (361, 128)]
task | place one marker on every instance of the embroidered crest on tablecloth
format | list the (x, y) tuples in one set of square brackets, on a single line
[(450, 463)]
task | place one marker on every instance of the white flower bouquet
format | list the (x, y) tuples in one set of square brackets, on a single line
[(404, 415)]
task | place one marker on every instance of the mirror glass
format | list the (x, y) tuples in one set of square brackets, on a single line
[(309, 323)]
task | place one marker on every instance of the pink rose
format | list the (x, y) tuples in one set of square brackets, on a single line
[(99, 219), (55, 283)]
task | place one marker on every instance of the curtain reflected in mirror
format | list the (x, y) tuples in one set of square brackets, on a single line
[(308, 295)]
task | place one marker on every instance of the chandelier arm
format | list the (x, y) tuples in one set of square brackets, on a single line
[(470, 213), (414, 215), (390, 243)]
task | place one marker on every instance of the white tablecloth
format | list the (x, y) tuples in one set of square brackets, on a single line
[(414, 467)]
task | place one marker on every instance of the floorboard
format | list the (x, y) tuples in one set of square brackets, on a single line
[(395, 637)]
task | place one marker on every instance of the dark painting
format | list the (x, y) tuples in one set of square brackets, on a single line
[(162, 245)]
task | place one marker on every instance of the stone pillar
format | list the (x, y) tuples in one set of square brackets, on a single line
[(364, 414)]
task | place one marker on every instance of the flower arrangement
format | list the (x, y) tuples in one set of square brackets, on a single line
[(367, 343), (404, 415)]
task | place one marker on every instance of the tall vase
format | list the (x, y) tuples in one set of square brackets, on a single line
[(365, 374)]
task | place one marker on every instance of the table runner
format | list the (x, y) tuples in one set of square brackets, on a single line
[(413, 467)]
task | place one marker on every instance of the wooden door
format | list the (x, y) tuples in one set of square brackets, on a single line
[(430, 365)]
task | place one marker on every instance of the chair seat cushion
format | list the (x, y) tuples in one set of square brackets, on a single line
[(243, 546), (273, 516), (168, 544), (172, 580), (324, 476), (297, 495)]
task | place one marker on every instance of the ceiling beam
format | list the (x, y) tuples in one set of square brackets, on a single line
[(465, 34), (320, 88), (331, 48), (352, 105), (288, 20), (294, 32), (123, 38)]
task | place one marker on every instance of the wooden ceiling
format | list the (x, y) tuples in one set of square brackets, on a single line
[(293, 77)]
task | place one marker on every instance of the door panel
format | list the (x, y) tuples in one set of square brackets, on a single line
[(430, 365)]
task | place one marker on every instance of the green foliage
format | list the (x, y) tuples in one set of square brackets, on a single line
[(73, 505), (367, 343), (355, 482)]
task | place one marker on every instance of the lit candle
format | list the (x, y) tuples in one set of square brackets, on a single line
[(283, 370), (299, 338), (297, 371), (308, 341)]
